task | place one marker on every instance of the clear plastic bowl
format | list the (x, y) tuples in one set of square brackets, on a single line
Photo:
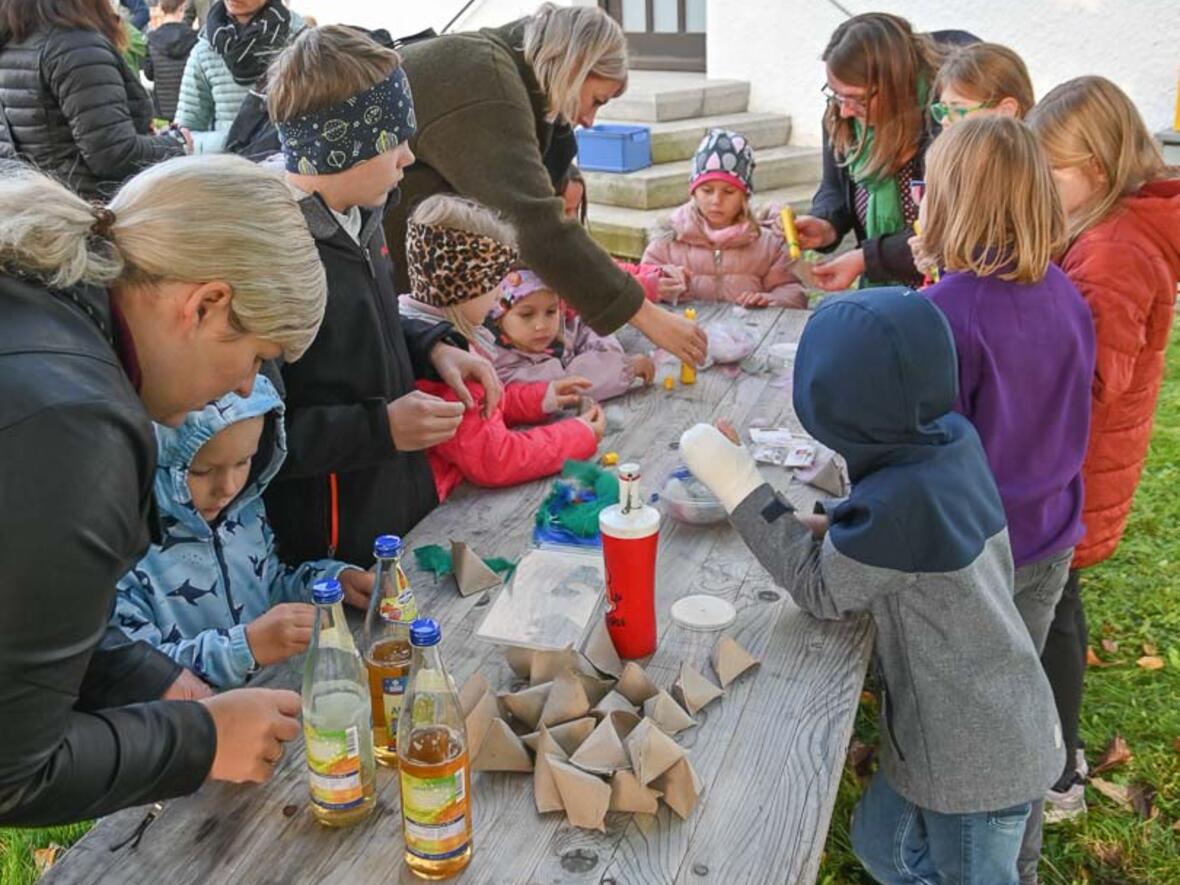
[(689, 501)]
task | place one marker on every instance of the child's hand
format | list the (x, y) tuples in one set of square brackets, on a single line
[(358, 587), (595, 418), (922, 261), (728, 431), (418, 421), (725, 467), (568, 391), (673, 283), (281, 633), (642, 367), (839, 273), (753, 299)]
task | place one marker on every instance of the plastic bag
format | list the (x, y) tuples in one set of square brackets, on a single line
[(730, 342)]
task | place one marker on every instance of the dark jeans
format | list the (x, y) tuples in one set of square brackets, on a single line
[(1064, 660)]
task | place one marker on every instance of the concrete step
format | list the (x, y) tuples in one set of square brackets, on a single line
[(678, 139), (625, 232), (658, 96), (666, 185)]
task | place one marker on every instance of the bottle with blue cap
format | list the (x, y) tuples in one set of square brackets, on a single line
[(433, 762), (337, 731), (385, 643)]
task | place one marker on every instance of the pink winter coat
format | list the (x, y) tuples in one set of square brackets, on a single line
[(726, 264)]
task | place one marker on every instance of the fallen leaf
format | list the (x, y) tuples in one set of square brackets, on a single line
[(1151, 662), (1110, 646), (867, 697), (1107, 629), (1176, 827), (860, 757), (1149, 648), (1107, 853), (1116, 793), (1142, 798), (1117, 753), (44, 858), (1092, 659)]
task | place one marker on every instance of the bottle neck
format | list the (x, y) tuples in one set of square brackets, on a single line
[(427, 657), (331, 625), (386, 575), (629, 496)]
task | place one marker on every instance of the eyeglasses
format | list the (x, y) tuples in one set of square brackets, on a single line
[(944, 113), (856, 105)]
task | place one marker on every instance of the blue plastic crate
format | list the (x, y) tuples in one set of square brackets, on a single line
[(614, 148)]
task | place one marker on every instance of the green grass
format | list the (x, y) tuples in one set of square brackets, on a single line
[(1132, 599)]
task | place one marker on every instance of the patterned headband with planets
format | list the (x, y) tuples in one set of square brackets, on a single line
[(338, 137)]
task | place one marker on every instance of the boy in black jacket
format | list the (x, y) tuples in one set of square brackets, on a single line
[(356, 426), (169, 46)]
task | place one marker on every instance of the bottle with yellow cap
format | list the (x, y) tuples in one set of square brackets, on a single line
[(688, 372)]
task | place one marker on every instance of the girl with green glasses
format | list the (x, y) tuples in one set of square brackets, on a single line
[(981, 79)]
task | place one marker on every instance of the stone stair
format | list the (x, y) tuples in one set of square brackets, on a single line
[(679, 108)]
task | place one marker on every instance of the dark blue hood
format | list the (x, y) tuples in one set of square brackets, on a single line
[(876, 377)]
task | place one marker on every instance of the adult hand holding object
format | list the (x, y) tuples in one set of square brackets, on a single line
[(252, 724), (720, 463), (682, 338), (418, 420), (814, 233), (456, 367), (839, 273)]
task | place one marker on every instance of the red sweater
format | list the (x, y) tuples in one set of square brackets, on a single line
[(488, 452)]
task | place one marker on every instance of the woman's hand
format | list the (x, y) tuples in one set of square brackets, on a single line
[(839, 273), (814, 233), (456, 367), (682, 338)]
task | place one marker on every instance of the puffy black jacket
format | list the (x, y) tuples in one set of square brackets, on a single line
[(74, 110), (82, 733), (344, 482), (168, 49)]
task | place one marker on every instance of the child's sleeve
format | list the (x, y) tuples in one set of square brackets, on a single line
[(602, 361), (524, 403), (780, 284), (220, 656), (648, 276)]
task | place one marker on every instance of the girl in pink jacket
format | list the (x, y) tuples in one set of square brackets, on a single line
[(727, 255)]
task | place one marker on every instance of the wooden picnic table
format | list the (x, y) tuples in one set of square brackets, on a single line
[(770, 753)]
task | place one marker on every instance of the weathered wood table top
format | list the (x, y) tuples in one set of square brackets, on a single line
[(770, 753)]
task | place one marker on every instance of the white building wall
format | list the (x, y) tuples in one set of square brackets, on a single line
[(402, 17), (776, 45)]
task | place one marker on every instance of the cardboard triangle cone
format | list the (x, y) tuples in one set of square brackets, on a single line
[(471, 573), (526, 705), (585, 797), (546, 665), (651, 751), (695, 690), (545, 792), (520, 660), (635, 685), (473, 689), (730, 660), (602, 752), (624, 722), (502, 750), (680, 787), (613, 702), (596, 689), (569, 735), (567, 700), (628, 794), (600, 651), (667, 714), (479, 720)]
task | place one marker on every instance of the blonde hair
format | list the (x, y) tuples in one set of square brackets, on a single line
[(988, 73), (565, 44), (881, 53), (325, 66), (1090, 120), (459, 213), (190, 219), (991, 204)]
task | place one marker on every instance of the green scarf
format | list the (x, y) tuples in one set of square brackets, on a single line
[(884, 213)]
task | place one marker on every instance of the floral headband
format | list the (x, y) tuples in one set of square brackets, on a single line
[(518, 285), (447, 266)]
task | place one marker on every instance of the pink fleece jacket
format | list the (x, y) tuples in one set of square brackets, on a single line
[(726, 264)]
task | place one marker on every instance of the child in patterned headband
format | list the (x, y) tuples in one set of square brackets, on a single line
[(456, 252)]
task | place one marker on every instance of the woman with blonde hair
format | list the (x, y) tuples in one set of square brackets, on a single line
[(1123, 214), (116, 316), (495, 111)]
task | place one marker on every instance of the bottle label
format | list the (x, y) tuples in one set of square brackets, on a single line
[(393, 690), (334, 766), (403, 609), (435, 812)]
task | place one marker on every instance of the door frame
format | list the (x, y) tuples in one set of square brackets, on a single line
[(664, 51)]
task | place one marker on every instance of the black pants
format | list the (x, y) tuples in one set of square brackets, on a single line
[(1064, 660)]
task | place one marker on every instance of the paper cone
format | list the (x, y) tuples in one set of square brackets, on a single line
[(635, 685), (526, 706), (479, 720), (624, 722), (695, 690), (628, 794), (680, 786), (473, 689), (651, 751), (520, 660), (613, 702), (585, 797), (471, 573), (567, 700), (596, 689), (600, 651), (602, 752), (544, 788), (569, 735), (730, 660), (827, 472), (502, 750), (547, 665), (667, 714)]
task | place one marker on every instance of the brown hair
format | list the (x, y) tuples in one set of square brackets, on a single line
[(1090, 120), (171, 7), (325, 66), (991, 204), (988, 73), (19, 19), (881, 53)]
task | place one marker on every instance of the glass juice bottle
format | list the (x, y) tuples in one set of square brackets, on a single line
[(337, 733), (386, 643), (434, 766)]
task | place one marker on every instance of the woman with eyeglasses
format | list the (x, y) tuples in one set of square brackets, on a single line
[(876, 130)]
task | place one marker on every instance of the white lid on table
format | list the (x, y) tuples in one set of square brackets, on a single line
[(703, 612)]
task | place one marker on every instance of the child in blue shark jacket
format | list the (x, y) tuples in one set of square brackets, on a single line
[(214, 595)]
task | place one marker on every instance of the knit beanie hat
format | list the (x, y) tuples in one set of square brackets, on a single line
[(723, 155)]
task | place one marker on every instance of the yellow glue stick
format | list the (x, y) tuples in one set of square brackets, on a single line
[(688, 372), (791, 233), (934, 270)]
